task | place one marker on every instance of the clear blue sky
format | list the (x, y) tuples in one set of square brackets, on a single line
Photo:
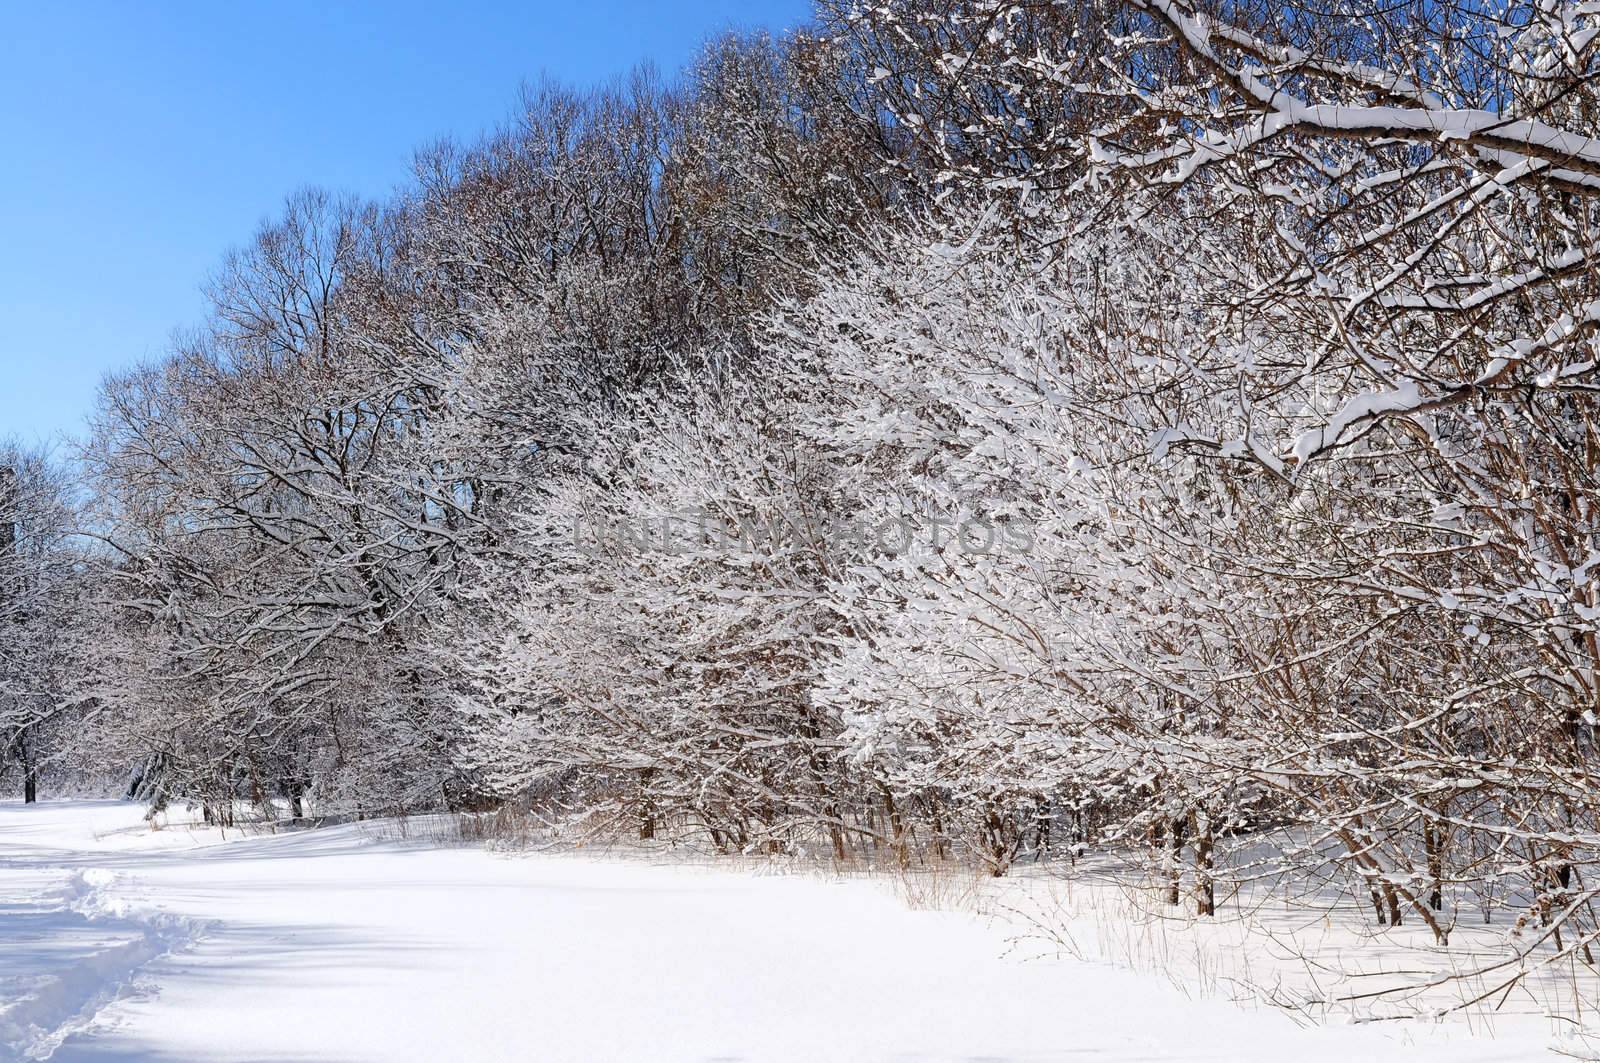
[(142, 139)]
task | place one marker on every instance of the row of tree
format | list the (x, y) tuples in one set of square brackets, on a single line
[(964, 429)]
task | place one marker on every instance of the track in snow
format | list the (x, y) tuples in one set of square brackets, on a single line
[(69, 954)]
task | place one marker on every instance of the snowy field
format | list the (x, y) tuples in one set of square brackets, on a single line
[(352, 943)]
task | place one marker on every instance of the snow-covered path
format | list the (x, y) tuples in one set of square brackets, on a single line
[(120, 944)]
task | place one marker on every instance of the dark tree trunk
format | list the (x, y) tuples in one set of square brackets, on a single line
[(1205, 889), (1392, 899), (647, 806), (30, 771), (897, 828), (1433, 846), (295, 790), (1177, 832), (941, 844), (1043, 818)]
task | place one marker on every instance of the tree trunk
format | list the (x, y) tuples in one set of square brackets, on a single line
[(1392, 898), (1043, 815), (1205, 891), (836, 836), (647, 806), (897, 829), (1433, 847), (941, 844), (295, 791), (1177, 830), (1002, 837), (30, 771)]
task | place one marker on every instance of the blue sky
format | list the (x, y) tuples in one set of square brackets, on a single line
[(141, 140)]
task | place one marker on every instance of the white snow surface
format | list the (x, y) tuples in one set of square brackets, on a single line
[(353, 943)]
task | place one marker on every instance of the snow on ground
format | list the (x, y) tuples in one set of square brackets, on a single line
[(1309, 947), (118, 943)]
